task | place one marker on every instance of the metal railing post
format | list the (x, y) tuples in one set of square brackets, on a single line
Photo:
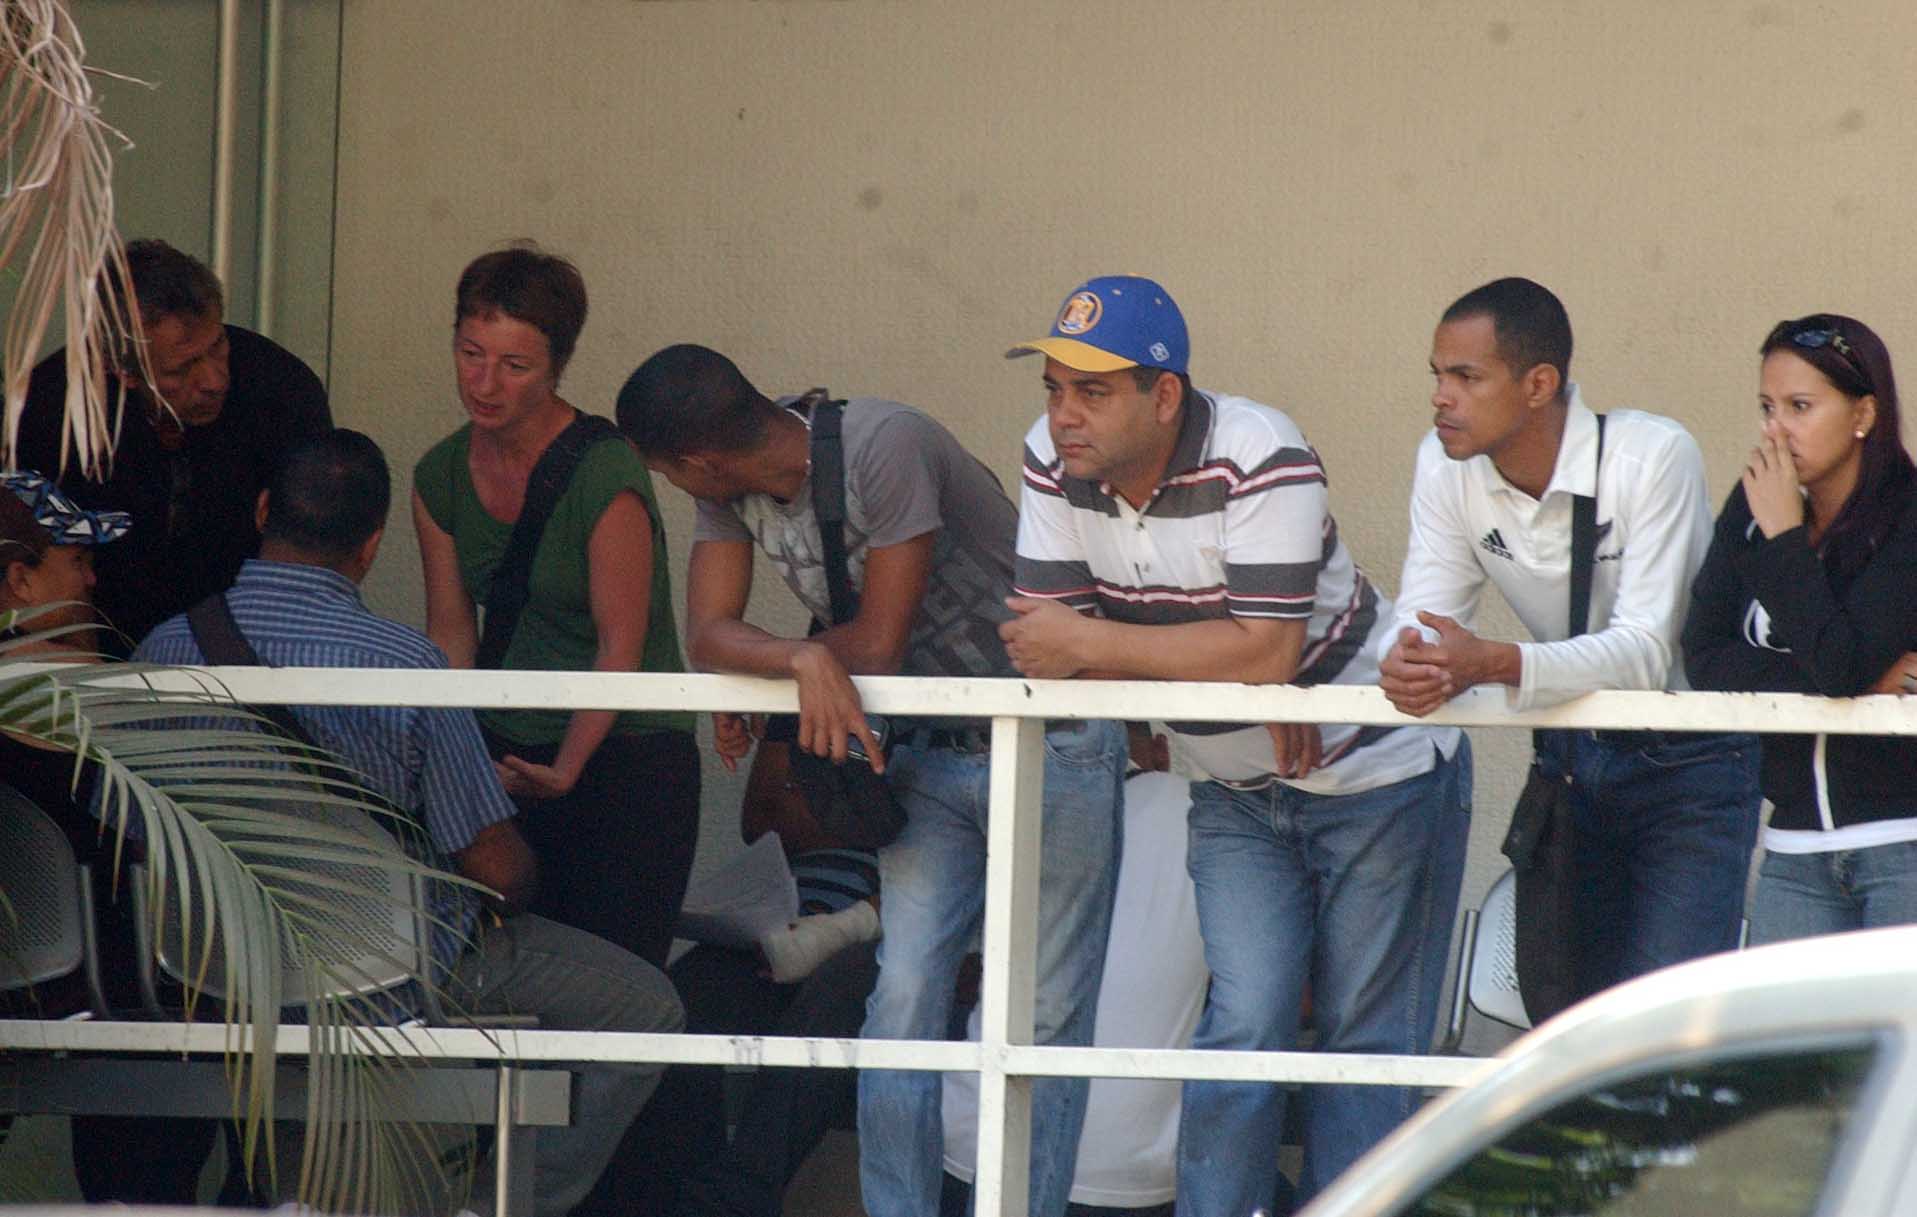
[(503, 1129), (1011, 916)]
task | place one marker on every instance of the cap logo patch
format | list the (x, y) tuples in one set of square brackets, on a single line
[(1160, 351), (1080, 313)]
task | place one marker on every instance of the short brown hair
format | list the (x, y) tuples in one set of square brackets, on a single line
[(166, 282), (521, 281)]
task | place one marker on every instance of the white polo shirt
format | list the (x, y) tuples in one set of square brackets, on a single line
[(1469, 526), (1239, 526)]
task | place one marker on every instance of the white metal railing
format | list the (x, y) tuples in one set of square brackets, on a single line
[(1004, 1056)]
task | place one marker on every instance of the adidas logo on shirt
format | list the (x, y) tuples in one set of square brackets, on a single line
[(1493, 542)]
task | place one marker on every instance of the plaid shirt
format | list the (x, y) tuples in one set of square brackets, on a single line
[(430, 762)]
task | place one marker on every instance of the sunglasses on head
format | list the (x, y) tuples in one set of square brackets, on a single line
[(1823, 338), (1812, 340)]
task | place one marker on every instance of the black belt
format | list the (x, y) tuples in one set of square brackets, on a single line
[(1624, 737), (955, 739), (966, 739), (1617, 737), (1635, 737)]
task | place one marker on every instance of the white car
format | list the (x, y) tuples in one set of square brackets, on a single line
[(1774, 1082)]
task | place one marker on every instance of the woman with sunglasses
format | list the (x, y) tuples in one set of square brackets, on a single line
[(1810, 586), (46, 613)]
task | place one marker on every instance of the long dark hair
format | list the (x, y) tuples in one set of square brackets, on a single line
[(1854, 359)]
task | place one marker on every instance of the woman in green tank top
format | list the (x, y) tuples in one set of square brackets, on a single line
[(609, 802)]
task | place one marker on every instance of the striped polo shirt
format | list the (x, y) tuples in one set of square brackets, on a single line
[(1239, 526)]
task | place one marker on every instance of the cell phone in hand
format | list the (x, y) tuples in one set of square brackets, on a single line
[(881, 731)]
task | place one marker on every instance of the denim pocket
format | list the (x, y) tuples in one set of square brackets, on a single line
[(1678, 749), (1085, 744)]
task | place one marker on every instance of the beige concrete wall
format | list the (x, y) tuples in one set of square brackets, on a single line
[(163, 182), (881, 196)]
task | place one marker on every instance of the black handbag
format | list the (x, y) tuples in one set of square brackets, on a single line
[(1541, 842), (850, 802)]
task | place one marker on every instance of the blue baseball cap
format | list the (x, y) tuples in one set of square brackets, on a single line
[(1115, 322), (67, 521)]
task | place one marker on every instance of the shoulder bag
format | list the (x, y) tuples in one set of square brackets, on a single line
[(1541, 842), (850, 802)]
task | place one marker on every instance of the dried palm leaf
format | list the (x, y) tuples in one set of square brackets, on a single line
[(56, 216)]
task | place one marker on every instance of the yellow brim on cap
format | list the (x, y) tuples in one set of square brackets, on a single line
[(1080, 356)]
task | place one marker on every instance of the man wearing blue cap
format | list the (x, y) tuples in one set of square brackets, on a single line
[(1169, 533)]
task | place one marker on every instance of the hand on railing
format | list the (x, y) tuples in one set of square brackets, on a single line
[(1419, 675)]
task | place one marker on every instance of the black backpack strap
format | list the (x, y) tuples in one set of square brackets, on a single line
[(828, 501), (1584, 545), (221, 642), (507, 596)]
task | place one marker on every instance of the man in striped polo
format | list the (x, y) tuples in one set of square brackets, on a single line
[(1174, 534)]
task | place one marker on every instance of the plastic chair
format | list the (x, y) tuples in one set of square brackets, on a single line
[(1486, 980), (376, 942), (50, 932)]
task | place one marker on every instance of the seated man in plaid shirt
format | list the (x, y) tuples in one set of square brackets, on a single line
[(298, 604)]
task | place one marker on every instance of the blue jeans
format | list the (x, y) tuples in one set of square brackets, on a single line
[(1353, 893), (933, 884), (1801, 895), (1666, 822)]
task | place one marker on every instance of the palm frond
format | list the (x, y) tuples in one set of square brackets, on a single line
[(265, 890), (56, 213)]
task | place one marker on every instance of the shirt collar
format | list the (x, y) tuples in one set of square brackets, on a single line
[(1194, 437), (1575, 472), (299, 576)]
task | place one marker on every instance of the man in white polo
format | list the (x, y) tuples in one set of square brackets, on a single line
[(1665, 821), (1168, 533)]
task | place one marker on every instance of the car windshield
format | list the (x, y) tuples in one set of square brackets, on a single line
[(1749, 1137)]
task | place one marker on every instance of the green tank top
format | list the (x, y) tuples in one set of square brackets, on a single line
[(555, 631)]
